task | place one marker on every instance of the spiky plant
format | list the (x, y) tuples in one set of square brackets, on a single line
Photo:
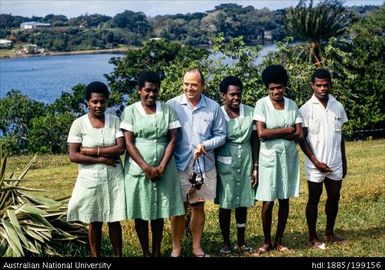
[(32, 225), (316, 25)]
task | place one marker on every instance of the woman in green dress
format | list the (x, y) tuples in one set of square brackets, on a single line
[(96, 143), (279, 126), (151, 179), (235, 160)]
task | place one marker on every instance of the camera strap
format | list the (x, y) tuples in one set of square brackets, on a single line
[(196, 161)]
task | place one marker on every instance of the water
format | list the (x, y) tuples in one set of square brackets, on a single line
[(264, 51), (44, 78)]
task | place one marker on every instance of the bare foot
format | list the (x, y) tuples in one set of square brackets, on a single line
[(283, 249), (262, 250), (315, 244), (332, 238)]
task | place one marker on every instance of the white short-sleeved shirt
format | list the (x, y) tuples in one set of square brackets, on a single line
[(324, 133)]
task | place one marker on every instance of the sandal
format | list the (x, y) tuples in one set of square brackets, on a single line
[(225, 250), (242, 248), (203, 255), (172, 256)]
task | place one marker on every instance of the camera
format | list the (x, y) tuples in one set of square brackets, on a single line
[(196, 180)]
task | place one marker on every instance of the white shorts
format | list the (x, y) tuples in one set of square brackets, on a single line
[(316, 176), (208, 189)]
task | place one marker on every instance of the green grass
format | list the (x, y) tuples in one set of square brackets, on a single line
[(360, 220)]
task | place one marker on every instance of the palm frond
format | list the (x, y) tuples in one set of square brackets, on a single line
[(32, 225)]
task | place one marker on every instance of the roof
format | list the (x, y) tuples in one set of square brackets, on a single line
[(35, 23), (5, 41)]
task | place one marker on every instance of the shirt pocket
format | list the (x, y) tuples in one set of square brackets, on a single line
[(204, 125), (267, 158), (134, 169), (224, 164), (337, 124)]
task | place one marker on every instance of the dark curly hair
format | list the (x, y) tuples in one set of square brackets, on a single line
[(96, 87), (275, 74), (321, 73), (227, 81), (148, 76)]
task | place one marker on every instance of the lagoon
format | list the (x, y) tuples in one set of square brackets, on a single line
[(44, 78)]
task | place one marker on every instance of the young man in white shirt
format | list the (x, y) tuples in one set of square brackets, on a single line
[(325, 161)]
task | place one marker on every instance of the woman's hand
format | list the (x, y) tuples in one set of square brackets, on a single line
[(254, 177), (160, 170), (152, 173)]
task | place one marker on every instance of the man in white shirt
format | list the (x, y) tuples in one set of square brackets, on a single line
[(325, 161)]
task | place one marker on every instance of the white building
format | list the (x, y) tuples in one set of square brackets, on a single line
[(5, 43), (34, 25)]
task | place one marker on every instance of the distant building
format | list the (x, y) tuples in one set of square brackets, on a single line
[(5, 43), (156, 38), (32, 49), (34, 25), (268, 35)]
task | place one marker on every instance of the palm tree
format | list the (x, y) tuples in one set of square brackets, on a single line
[(316, 25)]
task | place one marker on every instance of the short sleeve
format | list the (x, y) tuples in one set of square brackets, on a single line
[(344, 118), (75, 134), (118, 131), (260, 111), (303, 111), (298, 117), (127, 122), (173, 121)]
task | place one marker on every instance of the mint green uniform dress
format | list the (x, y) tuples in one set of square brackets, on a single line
[(235, 162), (98, 195), (146, 199), (278, 175)]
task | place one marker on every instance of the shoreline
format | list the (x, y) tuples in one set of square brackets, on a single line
[(51, 53)]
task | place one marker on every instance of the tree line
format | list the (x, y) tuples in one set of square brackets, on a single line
[(353, 52), (98, 31)]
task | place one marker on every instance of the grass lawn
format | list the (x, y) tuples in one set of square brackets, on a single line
[(361, 218)]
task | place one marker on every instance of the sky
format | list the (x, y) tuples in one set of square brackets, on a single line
[(74, 8)]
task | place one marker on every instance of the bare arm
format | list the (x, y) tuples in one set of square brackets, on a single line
[(323, 167), (134, 153), (172, 135), (343, 154), (269, 133), (297, 135), (108, 151), (76, 156), (255, 152)]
